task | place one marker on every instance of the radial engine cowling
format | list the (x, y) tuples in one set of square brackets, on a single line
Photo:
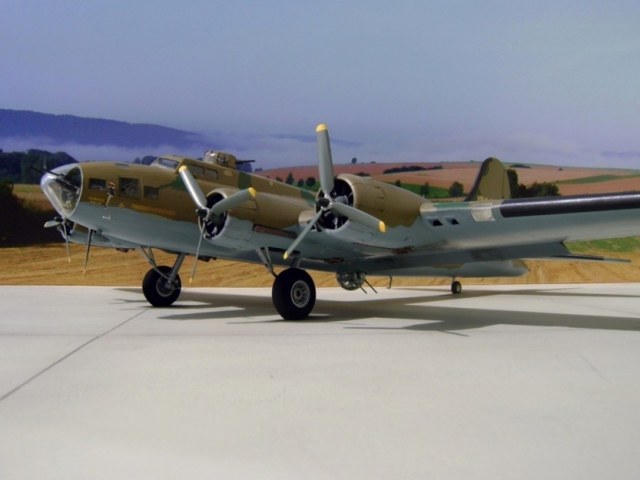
[(395, 206), (236, 228)]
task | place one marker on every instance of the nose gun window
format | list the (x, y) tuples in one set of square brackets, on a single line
[(63, 188)]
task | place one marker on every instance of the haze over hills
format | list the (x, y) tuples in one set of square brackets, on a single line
[(92, 138), (89, 139)]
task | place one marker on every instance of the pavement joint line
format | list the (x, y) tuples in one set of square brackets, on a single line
[(63, 358)]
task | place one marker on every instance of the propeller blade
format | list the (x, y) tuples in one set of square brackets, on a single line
[(195, 262), (193, 188), (61, 224), (66, 242), (325, 164), (233, 201), (52, 223), (303, 234), (359, 216)]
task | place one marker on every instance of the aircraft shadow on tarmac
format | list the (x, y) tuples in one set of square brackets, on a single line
[(431, 318)]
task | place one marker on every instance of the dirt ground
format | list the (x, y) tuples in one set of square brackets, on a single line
[(49, 265)]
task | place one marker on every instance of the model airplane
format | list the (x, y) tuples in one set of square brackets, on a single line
[(354, 226)]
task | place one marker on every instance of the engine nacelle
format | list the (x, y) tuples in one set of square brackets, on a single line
[(395, 206), (265, 214)]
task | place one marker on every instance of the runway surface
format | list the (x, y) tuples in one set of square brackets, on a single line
[(501, 382)]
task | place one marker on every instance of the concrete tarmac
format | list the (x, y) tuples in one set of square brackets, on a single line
[(535, 381)]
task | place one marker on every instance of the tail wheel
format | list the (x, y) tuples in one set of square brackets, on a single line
[(293, 294), (456, 287), (158, 291)]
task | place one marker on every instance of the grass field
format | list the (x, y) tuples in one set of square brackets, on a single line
[(596, 179)]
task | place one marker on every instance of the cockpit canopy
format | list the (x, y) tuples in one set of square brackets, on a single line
[(165, 162)]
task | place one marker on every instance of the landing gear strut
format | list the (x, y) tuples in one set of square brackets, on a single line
[(293, 294)]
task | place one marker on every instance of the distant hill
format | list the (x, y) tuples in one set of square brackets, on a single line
[(69, 129)]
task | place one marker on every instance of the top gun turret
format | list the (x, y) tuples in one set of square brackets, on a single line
[(227, 160)]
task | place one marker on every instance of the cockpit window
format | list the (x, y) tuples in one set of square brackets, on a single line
[(165, 163)]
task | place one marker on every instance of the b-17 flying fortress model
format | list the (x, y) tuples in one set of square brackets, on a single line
[(354, 226)]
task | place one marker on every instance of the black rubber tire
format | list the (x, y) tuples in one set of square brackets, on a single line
[(293, 294), (155, 290), (456, 287)]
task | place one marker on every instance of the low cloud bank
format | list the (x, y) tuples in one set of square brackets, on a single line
[(270, 151)]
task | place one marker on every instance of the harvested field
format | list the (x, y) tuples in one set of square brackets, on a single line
[(48, 265), (571, 180)]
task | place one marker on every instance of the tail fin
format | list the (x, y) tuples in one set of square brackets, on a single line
[(492, 182)]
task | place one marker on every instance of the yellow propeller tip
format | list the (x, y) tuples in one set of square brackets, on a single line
[(321, 128), (285, 256), (382, 226), (252, 192), (183, 168)]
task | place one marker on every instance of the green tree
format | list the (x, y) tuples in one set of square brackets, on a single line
[(310, 182), (519, 190), (513, 182), (424, 190), (456, 189), (544, 189), (289, 180)]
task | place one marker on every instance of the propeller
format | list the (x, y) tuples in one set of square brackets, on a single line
[(206, 212), (326, 202), (200, 200), (61, 224)]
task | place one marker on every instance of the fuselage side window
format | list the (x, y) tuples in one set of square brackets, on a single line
[(196, 170), (129, 187), (210, 174), (151, 192), (97, 184)]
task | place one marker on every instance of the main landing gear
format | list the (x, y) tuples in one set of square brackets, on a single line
[(456, 287), (293, 292), (158, 287), (161, 285)]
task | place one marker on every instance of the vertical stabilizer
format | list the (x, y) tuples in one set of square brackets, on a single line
[(492, 182)]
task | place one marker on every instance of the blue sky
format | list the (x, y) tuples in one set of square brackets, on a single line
[(546, 81)]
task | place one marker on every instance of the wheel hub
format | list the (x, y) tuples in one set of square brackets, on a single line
[(300, 294), (165, 287)]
